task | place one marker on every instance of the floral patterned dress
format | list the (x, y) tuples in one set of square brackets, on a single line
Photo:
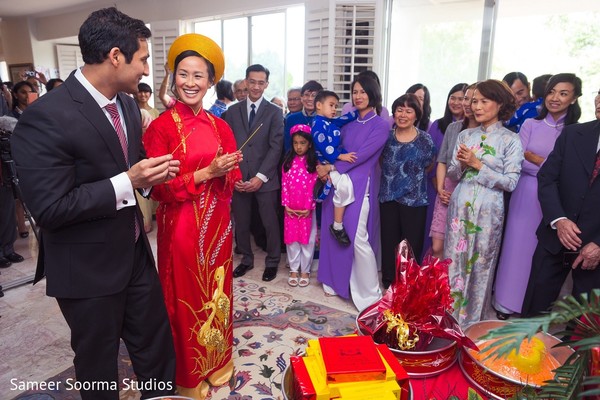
[(476, 215), (297, 186)]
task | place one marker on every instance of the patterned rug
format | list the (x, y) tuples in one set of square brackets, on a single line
[(268, 328)]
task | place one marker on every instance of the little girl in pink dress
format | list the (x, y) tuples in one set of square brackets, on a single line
[(298, 180)]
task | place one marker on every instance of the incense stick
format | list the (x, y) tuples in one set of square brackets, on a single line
[(183, 140), (253, 133)]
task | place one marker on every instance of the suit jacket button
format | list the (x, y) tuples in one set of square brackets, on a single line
[(125, 202)]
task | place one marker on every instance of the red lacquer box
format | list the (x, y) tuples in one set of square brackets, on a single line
[(351, 359), (303, 387)]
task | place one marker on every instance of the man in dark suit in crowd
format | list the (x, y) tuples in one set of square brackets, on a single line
[(569, 234), (8, 222), (79, 156), (257, 116)]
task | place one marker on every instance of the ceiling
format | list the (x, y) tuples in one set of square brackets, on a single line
[(38, 8)]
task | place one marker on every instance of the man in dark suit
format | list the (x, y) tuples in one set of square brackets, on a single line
[(79, 157), (569, 234), (258, 126)]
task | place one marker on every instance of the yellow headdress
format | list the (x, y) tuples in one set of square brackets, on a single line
[(201, 44)]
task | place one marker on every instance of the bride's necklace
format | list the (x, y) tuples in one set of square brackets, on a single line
[(364, 121), (555, 126)]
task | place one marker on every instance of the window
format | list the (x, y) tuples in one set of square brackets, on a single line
[(436, 44), (549, 38), (235, 37), (354, 45), (4, 71), (274, 39), (439, 44)]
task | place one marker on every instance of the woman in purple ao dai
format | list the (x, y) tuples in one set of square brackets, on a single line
[(560, 108)]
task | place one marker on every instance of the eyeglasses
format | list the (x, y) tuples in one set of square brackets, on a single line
[(294, 99), (310, 95)]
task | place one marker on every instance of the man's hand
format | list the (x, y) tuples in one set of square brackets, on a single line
[(348, 157), (240, 186), (589, 257), (153, 171), (253, 185), (568, 234)]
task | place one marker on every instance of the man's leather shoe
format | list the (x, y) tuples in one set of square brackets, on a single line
[(269, 274), (15, 258), (340, 235), (241, 270), (4, 262)]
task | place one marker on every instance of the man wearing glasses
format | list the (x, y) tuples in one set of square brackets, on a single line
[(294, 100), (305, 116)]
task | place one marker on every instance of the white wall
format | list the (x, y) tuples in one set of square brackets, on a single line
[(67, 24)]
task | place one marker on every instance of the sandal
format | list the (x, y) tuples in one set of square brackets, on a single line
[(293, 280), (304, 281)]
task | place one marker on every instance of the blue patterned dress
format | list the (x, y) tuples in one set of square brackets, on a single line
[(476, 215)]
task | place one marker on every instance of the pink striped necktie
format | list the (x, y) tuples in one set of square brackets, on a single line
[(116, 119)]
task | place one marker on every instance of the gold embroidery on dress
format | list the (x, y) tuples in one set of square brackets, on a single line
[(210, 337), (213, 332), (179, 124), (222, 302)]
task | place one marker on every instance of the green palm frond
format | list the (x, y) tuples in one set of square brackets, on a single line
[(570, 378), (510, 336), (567, 379), (591, 381)]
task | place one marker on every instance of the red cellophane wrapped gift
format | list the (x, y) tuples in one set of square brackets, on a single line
[(416, 308)]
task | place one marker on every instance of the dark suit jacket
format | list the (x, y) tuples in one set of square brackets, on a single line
[(263, 151), (563, 185), (66, 151)]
